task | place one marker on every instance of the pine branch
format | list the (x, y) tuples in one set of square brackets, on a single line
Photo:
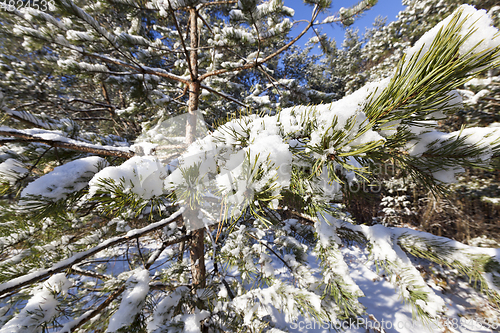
[(84, 101), (425, 77), (75, 324), (25, 117), (215, 3), (92, 274), (139, 70), (475, 263), (269, 57), (28, 279), (71, 7), (92, 119)]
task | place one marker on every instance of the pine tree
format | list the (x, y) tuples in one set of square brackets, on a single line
[(262, 187), (385, 44)]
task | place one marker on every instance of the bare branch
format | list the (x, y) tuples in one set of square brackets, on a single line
[(156, 254), (93, 274), (258, 38), (9, 140), (93, 118), (186, 53), (70, 144), (162, 286), (87, 110), (205, 22), (84, 101), (223, 95)]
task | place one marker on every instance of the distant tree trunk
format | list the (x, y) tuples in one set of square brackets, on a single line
[(196, 248)]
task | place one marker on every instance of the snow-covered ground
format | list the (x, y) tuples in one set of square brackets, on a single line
[(466, 309)]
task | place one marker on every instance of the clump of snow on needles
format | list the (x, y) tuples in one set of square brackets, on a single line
[(11, 170), (484, 35), (63, 180), (131, 301), (41, 307), (142, 175)]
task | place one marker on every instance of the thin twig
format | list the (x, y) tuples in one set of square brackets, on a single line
[(184, 91), (223, 95), (272, 251), (75, 324), (84, 101), (93, 274), (186, 53), (92, 119)]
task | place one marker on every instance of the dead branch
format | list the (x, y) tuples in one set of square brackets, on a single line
[(223, 95), (76, 145)]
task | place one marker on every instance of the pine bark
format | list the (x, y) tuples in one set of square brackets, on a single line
[(194, 84), (196, 248)]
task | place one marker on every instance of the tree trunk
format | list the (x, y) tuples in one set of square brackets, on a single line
[(196, 248), (197, 254), (194, 85)]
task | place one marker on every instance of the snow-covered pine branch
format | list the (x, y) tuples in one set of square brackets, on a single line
[(25, 280)]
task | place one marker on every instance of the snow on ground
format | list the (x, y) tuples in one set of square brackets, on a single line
[(385, 309)]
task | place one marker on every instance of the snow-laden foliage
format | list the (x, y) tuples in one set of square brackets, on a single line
[(132, 300), (41, 307)]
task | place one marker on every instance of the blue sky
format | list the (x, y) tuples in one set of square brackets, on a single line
[(386, 8)]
